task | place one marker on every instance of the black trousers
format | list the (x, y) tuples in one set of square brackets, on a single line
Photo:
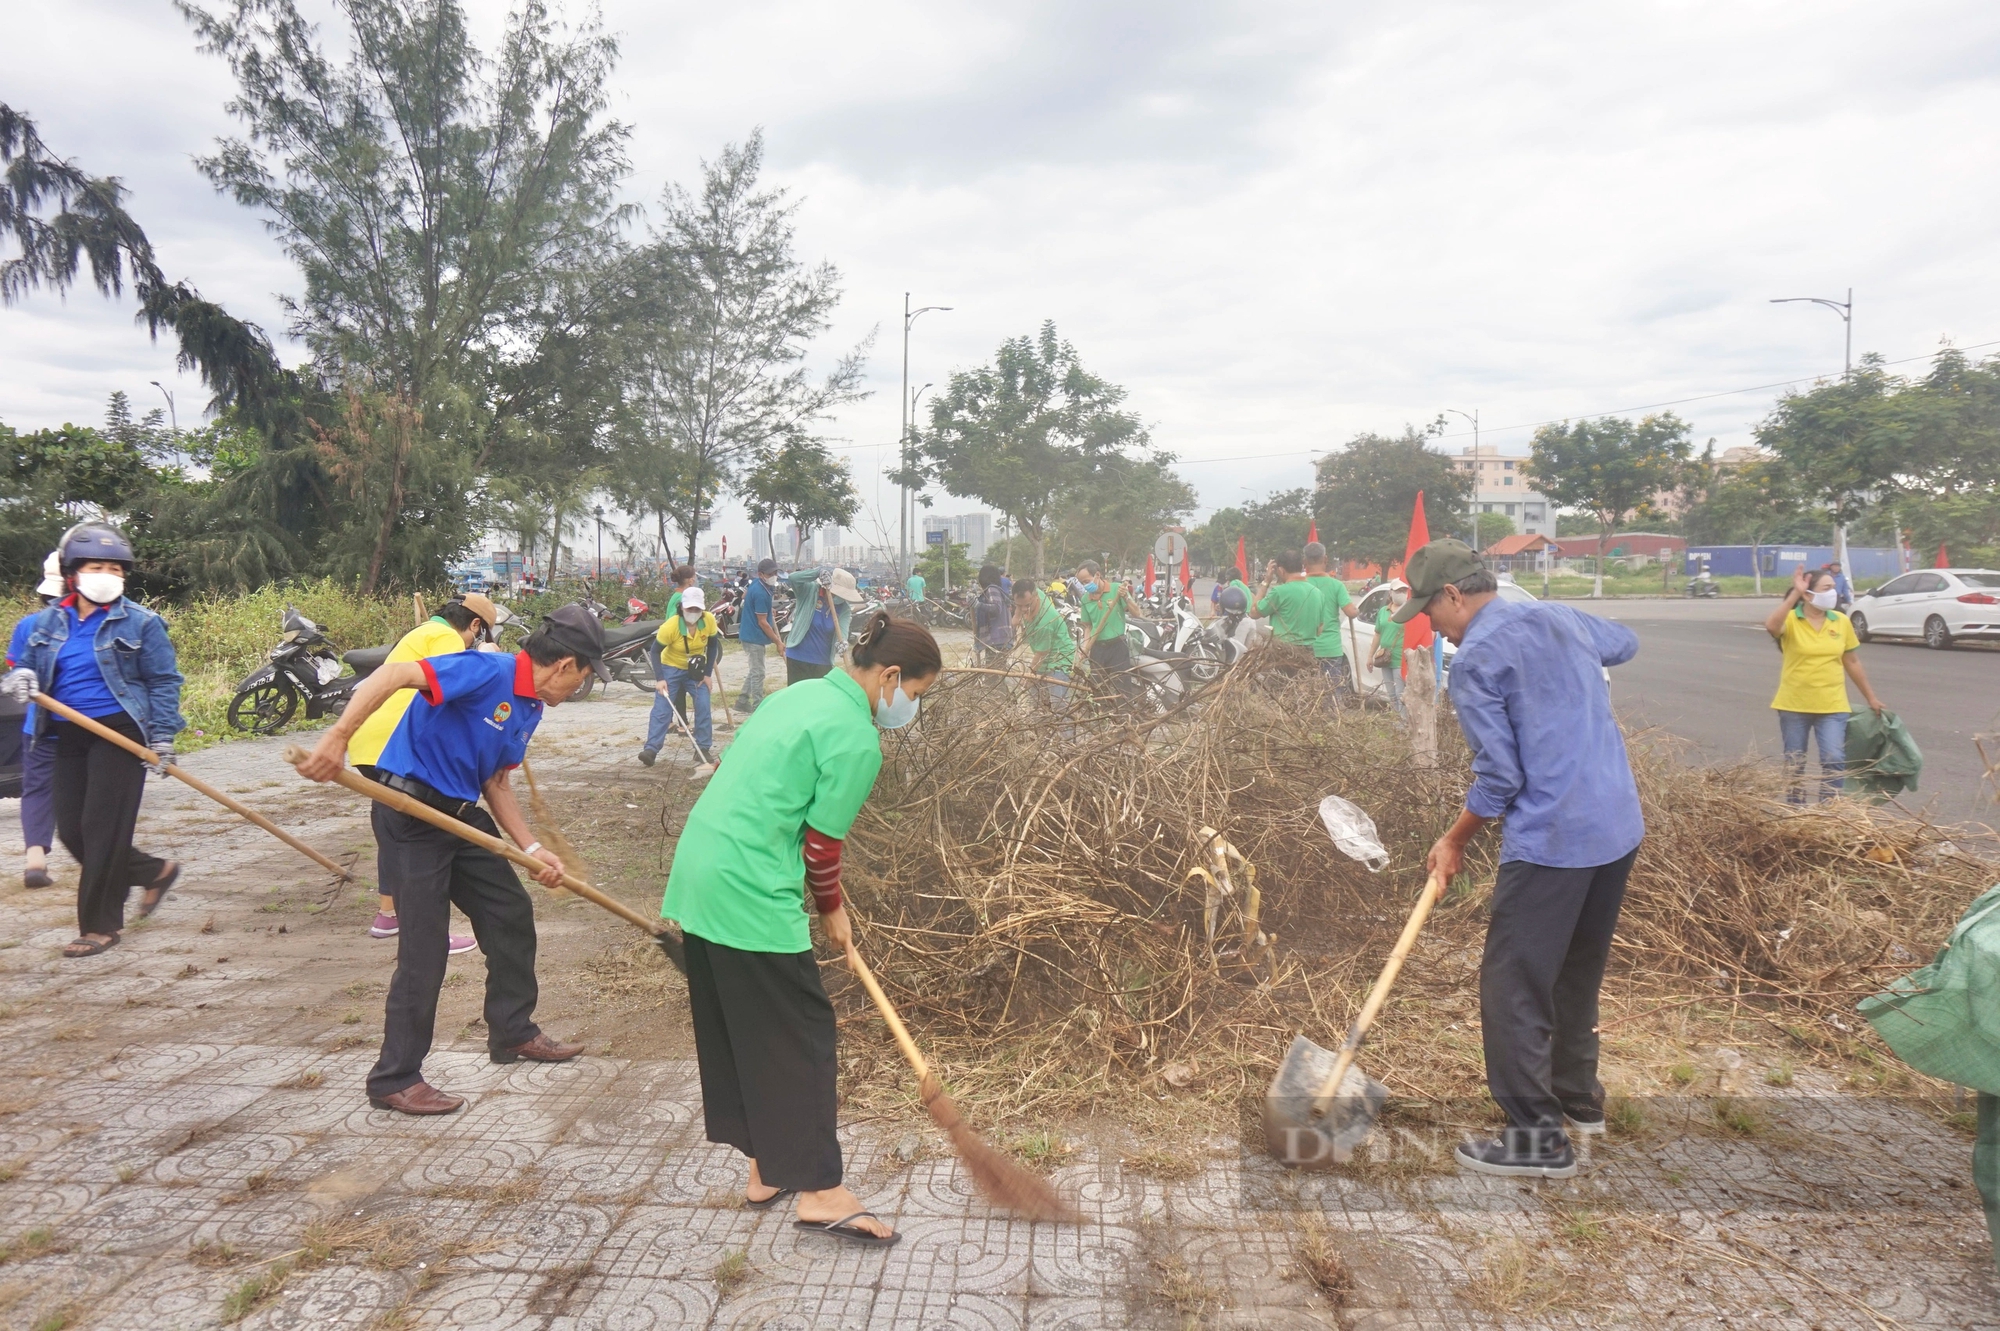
[(428, 870), (97, 791), (1538, 982), (763, 1035), (798, 670), (1113, 657)]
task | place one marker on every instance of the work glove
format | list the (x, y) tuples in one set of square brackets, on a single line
[(168, 758), (18, 684)]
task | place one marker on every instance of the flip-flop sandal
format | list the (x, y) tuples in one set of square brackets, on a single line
[(841, 1229), (772, 1200), (162, 886), (90, 947)]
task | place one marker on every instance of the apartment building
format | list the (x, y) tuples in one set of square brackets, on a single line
[(1500, 485)]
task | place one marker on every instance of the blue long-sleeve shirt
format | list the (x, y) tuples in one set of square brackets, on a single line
[(1528, 687)]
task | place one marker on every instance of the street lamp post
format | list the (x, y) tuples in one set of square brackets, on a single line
[(1845, 309), (1477, 462), (903, 399), (172, 415), (597, 511)]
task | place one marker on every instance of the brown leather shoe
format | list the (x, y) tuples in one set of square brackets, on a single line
[(541, 1049), (422, 1098)]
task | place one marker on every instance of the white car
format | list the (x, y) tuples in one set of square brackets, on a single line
[(1939, 605), (1360, 633)]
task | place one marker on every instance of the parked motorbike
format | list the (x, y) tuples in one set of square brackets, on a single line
[(305, 665), (629, 651)]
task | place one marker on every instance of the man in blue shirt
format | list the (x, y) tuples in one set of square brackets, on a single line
[(757, 631), (461, 739), (1547, 756)]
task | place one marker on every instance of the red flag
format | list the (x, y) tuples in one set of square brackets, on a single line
[(1416, 633), (1312, 533), (1149, 575), (1242, 561), (1943, 560), (1187, 578)]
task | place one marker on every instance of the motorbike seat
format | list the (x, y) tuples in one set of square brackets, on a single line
[(366, 659), (621, 635)]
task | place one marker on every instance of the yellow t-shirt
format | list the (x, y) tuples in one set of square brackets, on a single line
[(677, 644), (433, 637), (1812, 679)]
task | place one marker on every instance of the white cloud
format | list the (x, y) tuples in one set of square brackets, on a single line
[(1276, 224)]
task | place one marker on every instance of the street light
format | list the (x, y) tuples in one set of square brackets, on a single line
[(171, 414), (1845, 309), (597, 511), (1477, 462), (903, 509)]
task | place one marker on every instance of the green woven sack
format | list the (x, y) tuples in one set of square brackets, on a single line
[(1882, 758), (1944, 1020)]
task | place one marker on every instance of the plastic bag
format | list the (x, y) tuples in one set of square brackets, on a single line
[(1944, 1020), (1882, 759), (1353, 832)]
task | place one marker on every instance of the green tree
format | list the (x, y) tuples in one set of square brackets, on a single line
[(1025, 433), (1122, 511), (724, 315), (1491, 527), (1367, 492), (931, 565), (802, 485), (440, 206), (1278, 521), (1608, 466)]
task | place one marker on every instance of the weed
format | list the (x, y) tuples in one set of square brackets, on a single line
[(349, 1042), (1780, 1075), (1583, 1228), (1514, 1279), (1964, 1120), (731, 1272), (11, 1170), (1682, 1074), (205, 1253), (351, 1019), (1626, 1115), (126, 1173), (1190, 1295), (1739, 1116), (305, 1081), (359, 989), (1041, 1147), (57, 1319), (188, 972), (37, 1242), (523, 1187), (1320, 1262), (1168, 1165), (72, 1034), (247, 1297), (1675, 1176)]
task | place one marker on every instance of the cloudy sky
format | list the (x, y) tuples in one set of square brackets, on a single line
[(1277, 224)]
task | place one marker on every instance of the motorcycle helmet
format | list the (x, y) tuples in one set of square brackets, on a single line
[(1234, 602), (87, 541)]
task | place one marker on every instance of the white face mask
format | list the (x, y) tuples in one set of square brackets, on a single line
[(896, 712), (103, 588), (1825, 600)]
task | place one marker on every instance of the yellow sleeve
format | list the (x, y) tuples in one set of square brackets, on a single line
[(425, 640), (1848, 642)]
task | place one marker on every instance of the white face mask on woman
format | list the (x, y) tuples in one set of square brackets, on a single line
[(1825, 600), (103, 588)]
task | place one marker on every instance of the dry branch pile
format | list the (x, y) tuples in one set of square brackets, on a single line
[(1022, 878)]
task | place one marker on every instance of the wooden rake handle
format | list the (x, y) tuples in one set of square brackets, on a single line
[(235, 806), (402, 803), (1351, 1046), (895, 1023)]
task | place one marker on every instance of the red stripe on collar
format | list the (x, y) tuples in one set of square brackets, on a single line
[(524, 676)]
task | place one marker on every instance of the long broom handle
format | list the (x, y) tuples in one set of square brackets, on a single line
[(888, 1010), (1351, 1046), (402, 803), (140, 751)]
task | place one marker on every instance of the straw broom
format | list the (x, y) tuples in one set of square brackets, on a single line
[(1005, 1183)]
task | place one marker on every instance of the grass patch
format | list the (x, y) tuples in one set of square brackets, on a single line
[(58, 1319), (305, 1081), (1514, 1278), (1040, 1148), (126, 1173), (351, 1019), (1682, 1074), (1739, 1117), (731, 1272), (206, 1254), (1171, 1166), (1315, 1257), (1187, 1293), (1625, 1116), (39, 1241), (253, 1293), (349, 1042), (1779, 1075), (1584, 1229)]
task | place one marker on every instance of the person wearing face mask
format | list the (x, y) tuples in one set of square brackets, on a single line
[(109, 659), (760, 849), (458, 626), (1103, 605), (1819, 646), (690, 644), (457, 744), (38, 761), (756, 632), (822, 601)]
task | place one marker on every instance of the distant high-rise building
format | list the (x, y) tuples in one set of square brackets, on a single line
[(760, 542), (974, 531)]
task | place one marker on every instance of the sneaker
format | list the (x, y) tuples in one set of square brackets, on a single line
[(460, 944), (1584, 1120), (1553, 1160), (646, 757), (385, 926)]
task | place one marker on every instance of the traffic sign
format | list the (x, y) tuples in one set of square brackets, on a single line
[(1171, 548), (933, 538)]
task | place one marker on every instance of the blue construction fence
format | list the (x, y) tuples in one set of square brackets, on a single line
[(1779, 561)]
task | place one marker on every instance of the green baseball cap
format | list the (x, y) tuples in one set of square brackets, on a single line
[(1430, 568)]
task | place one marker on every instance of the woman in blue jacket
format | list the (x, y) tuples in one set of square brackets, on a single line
[(108, 659)]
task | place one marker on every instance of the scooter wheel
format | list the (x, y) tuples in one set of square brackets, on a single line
[(265, 709)]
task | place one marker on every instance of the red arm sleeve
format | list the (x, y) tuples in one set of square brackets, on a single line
[(823, 870)]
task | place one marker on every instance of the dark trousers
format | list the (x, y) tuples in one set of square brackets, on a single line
[(763, 1036), (1335, 670), (428, 871), (38, 799), (97, 791), (1545, 951), (1112, 657), (796, 670)]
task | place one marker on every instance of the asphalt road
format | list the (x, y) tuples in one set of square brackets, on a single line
[(1706, 672)]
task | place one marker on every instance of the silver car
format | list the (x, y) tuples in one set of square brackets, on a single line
[(1939, 605)]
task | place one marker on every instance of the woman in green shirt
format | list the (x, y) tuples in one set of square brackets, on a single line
[(1041, 628), (763, 843)]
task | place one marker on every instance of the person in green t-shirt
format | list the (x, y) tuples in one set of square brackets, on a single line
[(1041, 628), (1389, 647), (1328, 648), (1294, 606), (761, 844), (1103, 605)]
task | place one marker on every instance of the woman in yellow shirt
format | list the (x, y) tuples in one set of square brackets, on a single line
[(1818, 645)]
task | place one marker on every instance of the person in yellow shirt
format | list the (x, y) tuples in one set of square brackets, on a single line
[(1818, 645), (456, 626), (690, 645)]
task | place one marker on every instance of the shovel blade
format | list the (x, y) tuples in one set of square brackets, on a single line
[(1292, 1134)]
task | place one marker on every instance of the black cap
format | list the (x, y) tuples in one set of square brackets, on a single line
[(766, 566), (576, 630)]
